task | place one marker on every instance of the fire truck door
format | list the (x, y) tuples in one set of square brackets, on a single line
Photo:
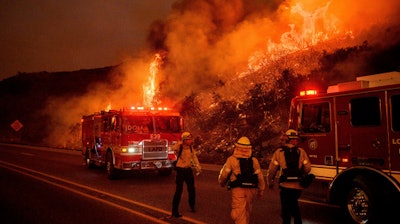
[(394, 130), (362, 130), (342, 131), (317, 131), (97, 146), (97, 137), (115, 130)]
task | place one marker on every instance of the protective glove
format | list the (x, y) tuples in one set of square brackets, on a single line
[(198, 171)]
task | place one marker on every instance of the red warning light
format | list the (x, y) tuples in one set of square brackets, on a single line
[(309, 92)]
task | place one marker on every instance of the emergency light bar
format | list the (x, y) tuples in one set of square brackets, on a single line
[(137, 108), (159, 108), (152, 108), (310, 92)]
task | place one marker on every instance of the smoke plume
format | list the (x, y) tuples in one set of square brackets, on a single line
[(225, 46)]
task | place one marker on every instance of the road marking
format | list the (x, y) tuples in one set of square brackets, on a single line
[(15, 168), (27, 154), (318, 203)]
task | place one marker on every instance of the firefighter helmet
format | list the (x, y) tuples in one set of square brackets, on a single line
[(186, 135), (243, 142), (292, 134)]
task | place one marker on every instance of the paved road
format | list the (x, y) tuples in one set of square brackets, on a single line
[(53, 186)]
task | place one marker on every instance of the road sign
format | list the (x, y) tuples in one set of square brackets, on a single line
[(16, 125)]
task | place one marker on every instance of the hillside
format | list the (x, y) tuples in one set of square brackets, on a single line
[(24, 96), (50, 105)]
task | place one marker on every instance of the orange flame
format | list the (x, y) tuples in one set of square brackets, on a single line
[(108, 108), (308, 29), (149, 89)]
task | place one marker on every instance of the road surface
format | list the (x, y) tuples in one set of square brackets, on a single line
[(44, 185)]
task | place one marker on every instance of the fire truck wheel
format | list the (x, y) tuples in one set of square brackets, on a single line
[(361, 205), (111, 171), (88, 162)]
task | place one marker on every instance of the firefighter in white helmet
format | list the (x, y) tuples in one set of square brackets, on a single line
[(232, 174), (293, 163), (186, 160)]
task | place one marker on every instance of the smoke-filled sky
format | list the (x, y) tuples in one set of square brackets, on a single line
[(50, 35), (205, 44), (212, 42)]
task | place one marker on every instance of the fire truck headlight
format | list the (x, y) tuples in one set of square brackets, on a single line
[(129, 150), (134, 150)]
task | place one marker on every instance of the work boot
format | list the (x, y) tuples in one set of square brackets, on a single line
[(176, 214)]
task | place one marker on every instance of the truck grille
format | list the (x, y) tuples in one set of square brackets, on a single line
[(155, 149)]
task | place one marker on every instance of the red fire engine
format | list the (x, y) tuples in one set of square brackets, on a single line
[(352, 136), (131, 139)]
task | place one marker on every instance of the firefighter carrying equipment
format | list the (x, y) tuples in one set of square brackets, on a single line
[(292, 134), (246, 178), (292, 173), (242, 198)]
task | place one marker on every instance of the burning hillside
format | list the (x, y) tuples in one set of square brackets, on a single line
[(238, 63), (213, 42), (234, 65)]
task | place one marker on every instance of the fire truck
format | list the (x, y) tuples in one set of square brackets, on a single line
[(134, 139), (352, 136)]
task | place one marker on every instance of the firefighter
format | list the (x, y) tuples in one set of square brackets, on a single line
[(184, 173), (242, 197), (290, 188)]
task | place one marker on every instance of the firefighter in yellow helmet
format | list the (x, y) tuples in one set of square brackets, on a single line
[(243, 190), (293, 163), (186, 160)]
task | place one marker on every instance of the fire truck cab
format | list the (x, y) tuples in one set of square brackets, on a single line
[(352, 137), (135, 139)]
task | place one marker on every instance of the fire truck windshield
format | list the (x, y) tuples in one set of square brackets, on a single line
[(154, 124), (315, 118)]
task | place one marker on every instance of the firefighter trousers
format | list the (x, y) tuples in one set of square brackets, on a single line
[(184, 175), (290, 205), (242, 204)]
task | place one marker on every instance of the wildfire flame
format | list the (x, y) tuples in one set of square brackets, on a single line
[(149, 89), (299, 38), (108, 107)]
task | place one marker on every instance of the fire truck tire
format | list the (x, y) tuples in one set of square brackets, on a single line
[(112, 173), (88, 162), (361, 204)]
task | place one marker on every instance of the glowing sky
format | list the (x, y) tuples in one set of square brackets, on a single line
[(50, 35), (211, 46)]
